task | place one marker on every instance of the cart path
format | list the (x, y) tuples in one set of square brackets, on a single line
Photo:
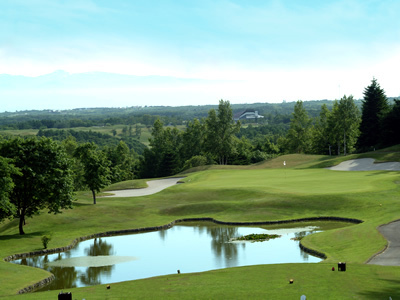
[(391, 255), (154, 186)]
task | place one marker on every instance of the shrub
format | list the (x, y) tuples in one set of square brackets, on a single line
[(195, 161), (45, 241)]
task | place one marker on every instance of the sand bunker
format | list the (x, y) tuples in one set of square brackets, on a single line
[(366, 164), (154, 186)]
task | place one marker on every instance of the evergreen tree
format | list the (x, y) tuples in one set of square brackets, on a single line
[(374, 108)]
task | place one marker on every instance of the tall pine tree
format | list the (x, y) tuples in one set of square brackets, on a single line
[(375, 106)]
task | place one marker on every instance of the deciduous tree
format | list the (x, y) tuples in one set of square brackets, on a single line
[(96, 167), (348, 119), (44, 180), (7, 209), (162, 158), (321, 143), (299, 134), (391, 125), (220, 130)]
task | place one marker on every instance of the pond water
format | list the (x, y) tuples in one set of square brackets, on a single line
[(188, 247)]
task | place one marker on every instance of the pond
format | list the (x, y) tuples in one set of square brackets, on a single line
[(188, 247)]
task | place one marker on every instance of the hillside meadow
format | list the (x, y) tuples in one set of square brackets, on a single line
[(263, 192)]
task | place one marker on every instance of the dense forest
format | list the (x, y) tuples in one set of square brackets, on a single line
[(274, 113), (179, 138)]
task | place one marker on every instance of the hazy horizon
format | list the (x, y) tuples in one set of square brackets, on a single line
[(236, 50)]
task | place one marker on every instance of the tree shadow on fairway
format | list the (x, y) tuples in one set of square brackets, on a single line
[(18, 236), (393, 291), (80, 204), (383, 172)]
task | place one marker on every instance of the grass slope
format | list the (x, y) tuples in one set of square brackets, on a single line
[(264, 192)]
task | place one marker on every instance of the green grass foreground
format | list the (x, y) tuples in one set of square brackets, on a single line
[(262, 192)]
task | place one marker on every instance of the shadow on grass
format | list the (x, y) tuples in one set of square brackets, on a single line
[(380, 172), (385, 293), (18, 236), (326, 162), (80, 204)]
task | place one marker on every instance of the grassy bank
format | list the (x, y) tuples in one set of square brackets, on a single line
[(264, 192)]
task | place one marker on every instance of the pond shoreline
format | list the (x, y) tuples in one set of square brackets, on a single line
[(163, 227)]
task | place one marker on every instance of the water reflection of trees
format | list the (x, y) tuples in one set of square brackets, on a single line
[(67, 277), (92, 274), (99, 247), (220, 243), (163, 234), (299, 236)]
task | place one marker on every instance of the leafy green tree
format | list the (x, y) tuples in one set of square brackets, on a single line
[(162, 158), (70, 144), (242, 151), (138, 131), (333, 132), (193, 139), (220, 131), (195, 161), (44, 180), (130, 130), (391, 125), (348, 121), (7, 209), (95, 166), (375, 106), (321, 143), (124, 131), (299, 134), (122, 162)]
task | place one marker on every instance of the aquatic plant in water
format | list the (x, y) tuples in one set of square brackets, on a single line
[(257, 237)]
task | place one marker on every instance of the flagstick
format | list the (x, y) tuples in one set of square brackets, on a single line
[(284, 167)]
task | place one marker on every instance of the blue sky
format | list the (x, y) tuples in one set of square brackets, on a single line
[(272, 50)]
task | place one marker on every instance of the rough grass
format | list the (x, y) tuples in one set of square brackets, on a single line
[(271, 192), (129, 184)]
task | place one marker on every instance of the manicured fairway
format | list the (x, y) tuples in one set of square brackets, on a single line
[(295, 181), (235, 195), (316, 281)]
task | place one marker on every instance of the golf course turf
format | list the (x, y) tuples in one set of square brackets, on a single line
[(265, 192)]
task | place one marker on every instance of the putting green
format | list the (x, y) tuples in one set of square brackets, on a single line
[(310, 181)]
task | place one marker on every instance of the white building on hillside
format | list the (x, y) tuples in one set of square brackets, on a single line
[(248, 114)]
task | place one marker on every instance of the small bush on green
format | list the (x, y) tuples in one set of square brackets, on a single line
[(45, 241), (195, 161)]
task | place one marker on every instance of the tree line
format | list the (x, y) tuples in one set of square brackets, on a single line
[(43, 172), (39, 173), (345, 128)]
